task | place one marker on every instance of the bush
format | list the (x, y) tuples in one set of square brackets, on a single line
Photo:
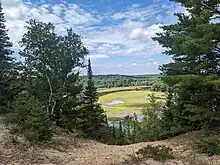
[(210, 146), (152, 123), (32, 118), (158, 153), (159, 87)]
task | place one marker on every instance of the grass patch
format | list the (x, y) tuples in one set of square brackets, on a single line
[(159, 153), (210, 146)]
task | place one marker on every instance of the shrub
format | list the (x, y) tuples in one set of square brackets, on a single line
[(159, 86), (152, 119), (210, 146), (32, 118), (158, 153)]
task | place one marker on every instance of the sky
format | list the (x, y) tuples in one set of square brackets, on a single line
[(117, 33)]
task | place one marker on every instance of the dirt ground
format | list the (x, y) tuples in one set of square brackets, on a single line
[(66, 150)]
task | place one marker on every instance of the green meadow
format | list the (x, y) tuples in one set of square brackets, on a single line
[(130, 101)]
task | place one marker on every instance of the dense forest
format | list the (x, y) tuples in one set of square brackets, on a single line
[(107, 81), (44, 91)]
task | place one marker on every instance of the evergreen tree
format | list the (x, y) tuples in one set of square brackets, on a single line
[(93, 116), (193, 43), (152, 119), (6, 61), (32, 118)]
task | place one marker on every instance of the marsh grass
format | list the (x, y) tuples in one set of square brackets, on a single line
[(134, 101)]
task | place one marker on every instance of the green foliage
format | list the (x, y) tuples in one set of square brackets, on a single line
[(159, 153), (194, 102), (152, 127), (123, 132), (159, 86), (193, 44), (6, 64), (152, 119), (47, 80), (121, 138), (32, 118), (109, 81), (49, 70), (210, 145), (93, 119), (48, 90), (132, 129)]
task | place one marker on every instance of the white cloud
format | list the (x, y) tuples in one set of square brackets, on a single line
[(119, 65), (134, 64), (122, 40), (17, 12), (132, 24), (149, 31), (97, 56), (75, 15), (57, 9), (137, 12), (128, 34), (10, 3)]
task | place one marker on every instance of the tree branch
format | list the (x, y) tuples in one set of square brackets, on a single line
[(54, 104), (51, 94)]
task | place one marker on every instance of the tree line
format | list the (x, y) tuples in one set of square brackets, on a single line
[(109, 81)]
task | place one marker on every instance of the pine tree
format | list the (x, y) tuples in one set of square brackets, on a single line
[(5, 60), (193, 43), (32, 118), (93, 116)]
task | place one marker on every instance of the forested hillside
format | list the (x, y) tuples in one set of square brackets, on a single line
[(108, 81)]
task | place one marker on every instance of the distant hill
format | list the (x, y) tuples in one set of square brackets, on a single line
[(121, 75)]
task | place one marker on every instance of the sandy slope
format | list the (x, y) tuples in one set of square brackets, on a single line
[(64, 150)]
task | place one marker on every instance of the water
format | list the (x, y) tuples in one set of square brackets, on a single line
[(121, 115), (139, 116), (114, 102)]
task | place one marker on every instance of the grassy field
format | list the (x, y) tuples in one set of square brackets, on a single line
[(134, 101)]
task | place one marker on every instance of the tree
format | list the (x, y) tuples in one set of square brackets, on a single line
[(152, 113), (6, 61), (93, 116), (51, 70), (32, 118), (193, 43)]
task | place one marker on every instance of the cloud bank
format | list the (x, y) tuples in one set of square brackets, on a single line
[(125, 33)]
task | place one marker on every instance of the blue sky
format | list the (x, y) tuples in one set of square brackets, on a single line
[(116, 32)]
